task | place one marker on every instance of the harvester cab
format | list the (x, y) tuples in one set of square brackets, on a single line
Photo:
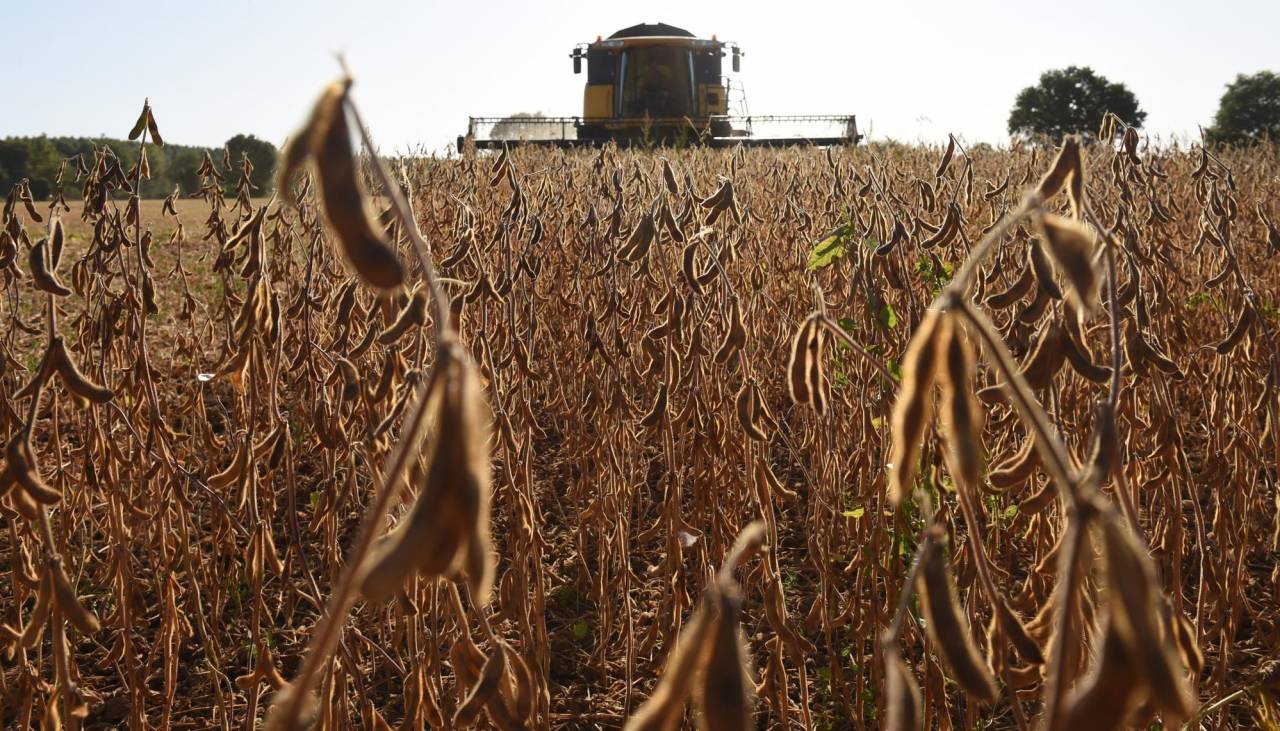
[(658, 84)]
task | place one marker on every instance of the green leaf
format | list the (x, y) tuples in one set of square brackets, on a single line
[(855, 513), (947, 484), (883, 312), (829, 249), (1010, 512), (839, 379), (581, 630), (895, 369), (934, 271), (888, 316)]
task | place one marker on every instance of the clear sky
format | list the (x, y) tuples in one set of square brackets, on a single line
[(909, 70)]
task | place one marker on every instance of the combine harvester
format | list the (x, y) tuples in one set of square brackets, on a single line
[(658, 84)]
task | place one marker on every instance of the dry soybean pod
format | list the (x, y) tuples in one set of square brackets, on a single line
[(662, 711), (688, 268), (814, 373), (41, 271), (233, 472), (57, 239), (657, 411), (34, 630), (1071, 245), (964, 415), (744, 403), (451, 511), (798, 365), (1066, 165), (484, 690), (947, 626), (1103, 701), (641, 238), (902, 695), (669, 177), (1131, 579), (74, 379), (1238, 331), (1046, 358), (914, 404), (328, 138), (735, 337), (80, 616), (1043, 269), (725, 697), (1081, 363), (413, 314), (22, 467), (1016, 469), (1015, 292)]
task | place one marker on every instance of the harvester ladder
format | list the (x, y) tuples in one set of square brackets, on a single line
[(737, 98)]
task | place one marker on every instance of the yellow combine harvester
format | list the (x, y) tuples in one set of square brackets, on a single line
[(658, 84)]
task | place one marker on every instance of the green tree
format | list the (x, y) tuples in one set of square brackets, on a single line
[(38, 159), (13, 161), (1249, 110), (1071, 100), (261, 154), (183, 163), (35, 159)]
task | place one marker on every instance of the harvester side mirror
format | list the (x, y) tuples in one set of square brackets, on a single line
[(577, 64), (737, 59)]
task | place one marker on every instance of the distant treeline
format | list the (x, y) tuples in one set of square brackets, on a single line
[(38, 159)]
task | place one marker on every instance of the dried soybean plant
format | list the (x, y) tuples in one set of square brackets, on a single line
[(446, 533), (1139, 639), (295, 447), (710, 657)]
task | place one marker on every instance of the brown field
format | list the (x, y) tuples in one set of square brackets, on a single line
[(190, 211), (662, 360)]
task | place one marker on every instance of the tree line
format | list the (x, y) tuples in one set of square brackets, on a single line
[(1074, 100), (38, 160)]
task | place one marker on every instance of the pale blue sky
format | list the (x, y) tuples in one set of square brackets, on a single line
[(909, 70)]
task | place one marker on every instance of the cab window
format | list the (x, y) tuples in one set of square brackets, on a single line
[(657, 80)]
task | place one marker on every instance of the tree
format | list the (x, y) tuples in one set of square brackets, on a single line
[(1249, 110), (1071, 100), (38, 162), (183, 163), (261, 154)]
